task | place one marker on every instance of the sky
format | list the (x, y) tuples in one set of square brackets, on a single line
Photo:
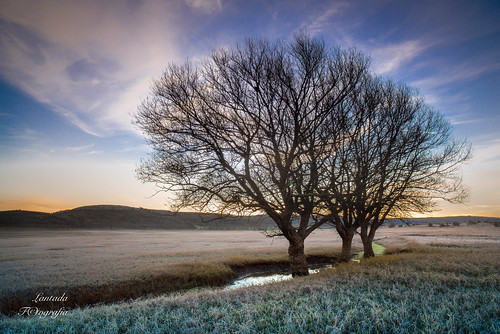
[(73, 72)]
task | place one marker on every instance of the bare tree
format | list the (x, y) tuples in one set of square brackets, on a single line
[(240, 133), (395, 157), (337, 185)]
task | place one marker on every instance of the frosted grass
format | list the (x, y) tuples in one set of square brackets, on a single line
[(425, 290)]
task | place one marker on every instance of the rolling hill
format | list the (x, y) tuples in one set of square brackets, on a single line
[(96, 217), (125, 217)]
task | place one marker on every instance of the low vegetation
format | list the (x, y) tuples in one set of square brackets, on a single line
[(176, 277), (377, 250), (410, 289)]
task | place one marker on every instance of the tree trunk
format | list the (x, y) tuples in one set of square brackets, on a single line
[(298, 260), (346, 253), (367, 245)]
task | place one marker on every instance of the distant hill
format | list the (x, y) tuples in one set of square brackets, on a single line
[(96, 217), (124, 217)]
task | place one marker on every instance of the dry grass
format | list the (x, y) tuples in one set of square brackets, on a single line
[(478, 235), (409, 247), (41, 259), (45, 259), (177, 277), (107, 266), (416, 289)]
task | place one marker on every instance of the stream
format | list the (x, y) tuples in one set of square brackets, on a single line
[(265, 278), (271, 277)]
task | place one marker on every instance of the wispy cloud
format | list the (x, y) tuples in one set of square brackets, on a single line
[(207, 6), (89, 61), (463, 119), (389, 58), (341, 20), (487, 152), (84, 148), (25, 134), (322, 20), (457, 73)]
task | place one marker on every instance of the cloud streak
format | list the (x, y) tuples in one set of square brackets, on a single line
[(457, 73), (390, 58), (320, 21), (207, 6), (89, 62)]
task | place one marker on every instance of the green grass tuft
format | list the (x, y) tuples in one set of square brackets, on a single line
[(377, 250)]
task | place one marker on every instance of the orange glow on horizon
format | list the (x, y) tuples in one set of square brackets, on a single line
[(50, 205), (37, 204)]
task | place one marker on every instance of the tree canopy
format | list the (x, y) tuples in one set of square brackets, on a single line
[(296, 130), (240, 132), (394, 157)]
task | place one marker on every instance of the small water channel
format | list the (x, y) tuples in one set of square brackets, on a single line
[(265, 278), (271, 277)]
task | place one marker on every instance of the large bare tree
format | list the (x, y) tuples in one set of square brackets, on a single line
[(395, 157), (242, 132)]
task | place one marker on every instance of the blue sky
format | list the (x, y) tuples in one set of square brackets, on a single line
[(72, 72)]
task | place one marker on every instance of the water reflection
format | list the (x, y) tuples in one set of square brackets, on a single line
[(266, 278)]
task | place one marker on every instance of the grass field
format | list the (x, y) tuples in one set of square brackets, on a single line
[(447, 283), (32, 259)]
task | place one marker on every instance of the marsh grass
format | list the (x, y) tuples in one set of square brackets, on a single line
[(408, 247), (414, 289), (176, 277), (46, 259)]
